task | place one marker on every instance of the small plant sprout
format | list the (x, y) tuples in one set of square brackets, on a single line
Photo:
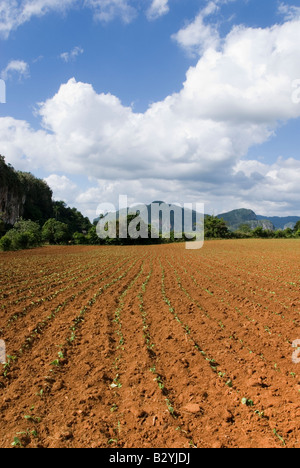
[(247, 402)]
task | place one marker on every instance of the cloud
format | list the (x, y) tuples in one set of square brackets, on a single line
[(197, 36), (63, 188), (16, 67), (289, 12), (14, 13), (72, 55), (192, 144), (157, 9), (108, 10)]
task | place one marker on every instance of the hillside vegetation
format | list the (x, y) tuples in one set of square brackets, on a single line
[(27, 210)]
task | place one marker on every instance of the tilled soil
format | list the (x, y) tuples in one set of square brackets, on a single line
[(136, 347)]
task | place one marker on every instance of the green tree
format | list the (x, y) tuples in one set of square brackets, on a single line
[(24, 235), (258, 232), (297, 227), (92, 237), (5, 243), (79, 238), (215, 228), (279, 234), (288, 233), (55, 232), (72, 217), (245, 228), (38, 198)]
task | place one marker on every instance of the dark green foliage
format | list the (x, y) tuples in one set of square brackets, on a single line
[(55, 232), (215, 228), (33, 197), (140, 233), (9, 177), (24, 235), (38, 203), (92, 237), (297, 227), (72, 217), (260, 233), (79, 238)]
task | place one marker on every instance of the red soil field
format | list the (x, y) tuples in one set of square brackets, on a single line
[(151, 347)]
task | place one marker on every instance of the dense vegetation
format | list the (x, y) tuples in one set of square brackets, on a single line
[(42, 219), (216, 228)]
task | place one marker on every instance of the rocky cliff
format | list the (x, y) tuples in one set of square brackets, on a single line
[(236, 218), (23, 195), (11, 205)]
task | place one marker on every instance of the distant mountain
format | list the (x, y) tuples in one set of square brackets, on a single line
[(175, 216), (236, 218), (282, 223)]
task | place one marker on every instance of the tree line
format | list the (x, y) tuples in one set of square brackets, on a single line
[(28, 234), (216, 228)]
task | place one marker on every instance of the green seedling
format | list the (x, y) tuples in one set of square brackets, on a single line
[(34, 419), (55, 363), (279, 437), (16, 442), (7, 365), (170, 408), (247, 402)]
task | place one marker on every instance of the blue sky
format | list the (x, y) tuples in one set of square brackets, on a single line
[(180, 100)]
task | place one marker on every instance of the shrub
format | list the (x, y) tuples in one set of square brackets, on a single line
[(79, 239), (55, 232), (5, 243), (24, 235)]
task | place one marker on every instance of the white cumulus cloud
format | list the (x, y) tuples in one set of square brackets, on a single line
[(14, 13), (16, 68), (158, 8), (72, 55), (192, 143), (198, 35)]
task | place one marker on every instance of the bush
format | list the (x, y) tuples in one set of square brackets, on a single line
[(215, 228), (79, 239), (5, 243), (55, 232), (24, 235), (92, 237)]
